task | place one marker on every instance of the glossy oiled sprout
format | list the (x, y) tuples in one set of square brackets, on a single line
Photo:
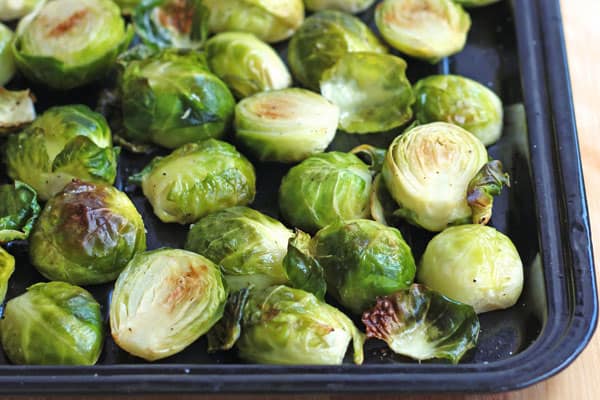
[(7, 63), (165, 300), (473, 264), (15, 9), (427, 29), (53, 323), (246, 64), (19, 209), (286, 125), (68, 43), (16, 109), (350, 6), (476, 3), (7, 267)]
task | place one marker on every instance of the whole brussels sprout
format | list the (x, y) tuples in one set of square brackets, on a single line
[(476, 3), (363, 259), (18, 211), (127, 6), (248, 246), (86, 234), (7, 267), (171, 98), (270, 20), (323, 39), (350, 6), (323, 189), (439, 175), (66, 142), (15, 9), (285, 125), (163, 301), (53, 323), (426, 29), (371, 90), (197, 179), (69, 43), (280, 325), (460, 101), (473, 264), (7, 63), (16, 109), (246, 64)]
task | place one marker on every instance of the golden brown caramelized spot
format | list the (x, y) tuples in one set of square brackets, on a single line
[(178, 15), (269, 109), (68, 24), (411, 12), (184, 285)]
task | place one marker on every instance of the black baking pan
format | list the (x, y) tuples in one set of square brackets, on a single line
[(517, 49)]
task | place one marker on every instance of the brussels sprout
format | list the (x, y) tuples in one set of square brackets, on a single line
[(270, 20), (15, 9), (323, 189), (69, 43), (280, 325), (302, 269), (7, 64), (371, 90), (248, 246), (323, 39), (460, 101), (285, 125), (127, 6), (475, 3), (171, 99), (427, 29), (197, 179), (423, 324), (350, 6), (52, 323), (7, 267), (86, 234), (438, 175), (66, 142), (16, 109), (247, 64), (18, 211), (163, 301), (181, 24), (363, 259), (473, 264)]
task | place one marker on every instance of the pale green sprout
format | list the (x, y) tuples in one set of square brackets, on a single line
[(16, 109), (7, 267), (15, 9)]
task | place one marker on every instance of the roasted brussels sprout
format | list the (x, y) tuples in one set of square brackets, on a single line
[(280, 325), (371, 90), (475, 3), (52, 323), (363, 259), (248, 246), (171, 98), (127, 6), (197, 179), (68, 43), (163, 301), (7, 63), (323, 39), (420, 323), (426, 29), (350, 6), (246, 64), (285, 125), (16, 109), (18, 211), (7, 267), (86, 234), (270, 20), (438, 175), (181, 24), (15, 9), (473, 264), (323, 189), (460, 101), (66, 142)]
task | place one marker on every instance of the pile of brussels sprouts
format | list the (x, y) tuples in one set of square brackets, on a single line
[(204, 82)]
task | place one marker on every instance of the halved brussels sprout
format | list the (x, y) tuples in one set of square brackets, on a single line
[(323, 189), (171, 98), (422, 324), (16, 109), (197, 179), (460, 101), (15, 9), (246, 64), (473, 264), (53, 323), (86, 234), (69, 43), (181, 24), (350, 6), (66, 142), (280, 325), (248, 246), (285, 125), (163, 301), (127, 6), (7, 63), (323, 39), (427, 29), (7, 267), (363, 259), (439, 175), (18, 211), (371, 90), (270, 20), (476, 3)]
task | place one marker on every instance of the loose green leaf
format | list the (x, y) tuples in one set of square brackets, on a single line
[(19, 210), (227, 331), (485, 185), (303, 270)]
